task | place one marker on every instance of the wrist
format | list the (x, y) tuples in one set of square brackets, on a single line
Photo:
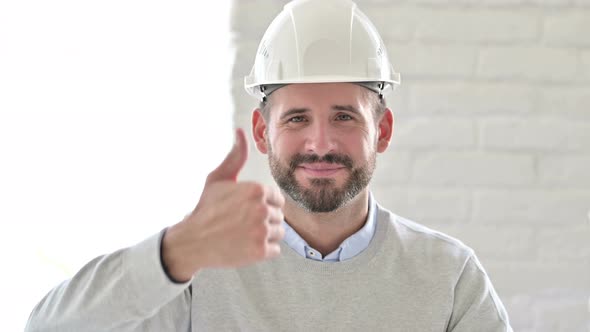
[(176, 270)]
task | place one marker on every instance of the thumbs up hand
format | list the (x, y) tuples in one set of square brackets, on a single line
[(234, 161), (234, 224)]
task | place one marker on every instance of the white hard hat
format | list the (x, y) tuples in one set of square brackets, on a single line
[(320, 41)]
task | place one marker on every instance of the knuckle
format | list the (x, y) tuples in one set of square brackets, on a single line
[(278, 215), (255, 191), (268, 248), (262, 211), (260, 233), (281, 232), (272, 250), (264, 231), (259, 251)]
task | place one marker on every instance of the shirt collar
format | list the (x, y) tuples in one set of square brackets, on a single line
[(349, 248)]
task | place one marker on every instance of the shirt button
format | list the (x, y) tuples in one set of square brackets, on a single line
[(311, 253)]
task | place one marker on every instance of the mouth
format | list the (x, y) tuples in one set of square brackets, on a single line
[(321, 169)]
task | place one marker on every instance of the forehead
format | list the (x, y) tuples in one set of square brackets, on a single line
[(319, 97)]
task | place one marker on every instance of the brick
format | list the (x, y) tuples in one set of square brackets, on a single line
[(243, 102), (519, 307), (547, 310), (550, 134), (567, 28), (509, 243), (470, 98), (585, 57), (393, 167), (244, 59), (364, 4), (498, 3), (393, 23), (473, 168), (531, 63), (531, 206), (252, 17), (550, 3), (571, 101), (579, 139), (564, 244), (445, 3), (530, 277), (433, 132), (397, 100), (430, 206), (477, 26), (559, 310), (432, 61), (392, 197), (565, 170)]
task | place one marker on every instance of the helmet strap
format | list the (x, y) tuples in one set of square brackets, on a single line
[(377, 87), (262, 89)]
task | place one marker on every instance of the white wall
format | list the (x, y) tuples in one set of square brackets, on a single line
[(492, 138), (112, 113)]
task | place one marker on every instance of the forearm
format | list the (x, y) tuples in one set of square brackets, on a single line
[(113, 292)]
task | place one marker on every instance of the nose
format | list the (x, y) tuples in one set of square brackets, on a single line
[(320, 139)]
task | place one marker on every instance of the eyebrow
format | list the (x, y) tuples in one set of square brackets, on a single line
[(294, 111), (348, 108)]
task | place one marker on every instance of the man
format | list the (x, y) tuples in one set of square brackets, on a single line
[(320, 254)]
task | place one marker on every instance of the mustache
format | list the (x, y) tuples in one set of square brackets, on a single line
[(331, 158)]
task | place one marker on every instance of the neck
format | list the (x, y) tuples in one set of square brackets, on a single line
[(326, 231)]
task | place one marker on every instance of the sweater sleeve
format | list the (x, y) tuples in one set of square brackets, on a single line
[(476, 305), (123, 291)]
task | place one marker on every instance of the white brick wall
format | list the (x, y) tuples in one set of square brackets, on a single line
[(553, 206), (464, 98), (491, 141), (564, 170), (448, 25), (530, 63), (472, 168), (586, 64), (565, 101), (535, 133), (435, 132), (567, 29)]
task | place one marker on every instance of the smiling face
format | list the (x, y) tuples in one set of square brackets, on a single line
[(322, 141)]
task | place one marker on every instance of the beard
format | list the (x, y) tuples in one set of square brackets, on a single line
[(323, 194)]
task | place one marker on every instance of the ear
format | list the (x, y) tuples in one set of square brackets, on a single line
[(385, 130), (259, 131)]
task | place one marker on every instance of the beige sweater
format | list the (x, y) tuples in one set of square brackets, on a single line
[(410, 278)]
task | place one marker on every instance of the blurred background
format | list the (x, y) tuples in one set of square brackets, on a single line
[(113, 113)]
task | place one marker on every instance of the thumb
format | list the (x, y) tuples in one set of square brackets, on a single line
[(234, 161)]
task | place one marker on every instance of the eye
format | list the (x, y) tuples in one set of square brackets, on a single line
[(298, 118), (343, 117)]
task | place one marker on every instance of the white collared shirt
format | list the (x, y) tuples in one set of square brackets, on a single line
[(349, 248)]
